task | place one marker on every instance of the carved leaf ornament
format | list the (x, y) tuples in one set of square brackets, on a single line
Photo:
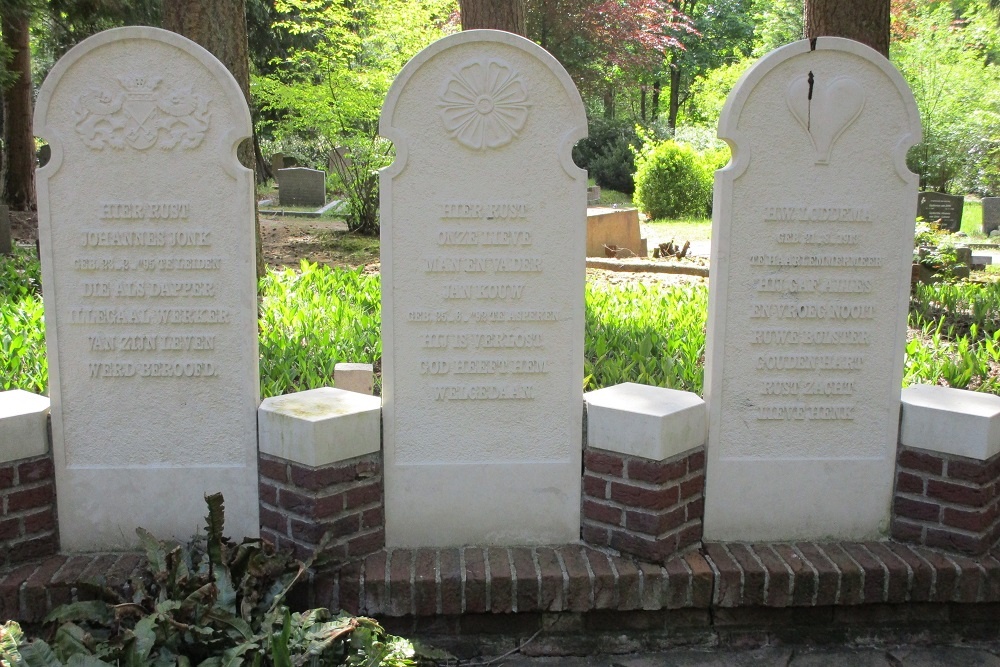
[(484, 104), (141, 117)]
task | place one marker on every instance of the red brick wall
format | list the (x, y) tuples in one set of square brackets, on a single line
[(299, 504), (650, 509), (28, 526), (945, 501)]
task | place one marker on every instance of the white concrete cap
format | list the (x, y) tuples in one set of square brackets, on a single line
[(354, 377), (319, 426), (951, 421), (640, 420), (22, 425)]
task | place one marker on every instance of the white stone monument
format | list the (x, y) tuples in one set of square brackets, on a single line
[(482, 322), (812, 240), (146, 230)]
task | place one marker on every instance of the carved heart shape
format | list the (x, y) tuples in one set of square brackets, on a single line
[(833, 107)]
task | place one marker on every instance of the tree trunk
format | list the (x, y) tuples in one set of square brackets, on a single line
[(642, 103), (18, 136), (675, 97), (865, 21), (655, 113), (220, 26), (506, 15)]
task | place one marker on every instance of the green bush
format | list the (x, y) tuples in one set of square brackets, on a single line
[(607, 153), (672, 181)]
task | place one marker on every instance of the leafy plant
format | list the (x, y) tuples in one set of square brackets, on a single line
[(357, 178), (210, 603), (672, 181)]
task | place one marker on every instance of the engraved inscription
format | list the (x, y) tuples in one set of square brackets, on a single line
[(812, 287)]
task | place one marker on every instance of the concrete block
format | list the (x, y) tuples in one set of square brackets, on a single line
[(639, 420), (319, 426), (23, 432), (358, 378), (951, 421)]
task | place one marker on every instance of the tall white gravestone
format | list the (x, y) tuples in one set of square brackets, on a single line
[(483, 232), (812, 241), (146, 230)]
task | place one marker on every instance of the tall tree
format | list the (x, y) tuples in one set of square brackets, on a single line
[(220, 26), (865, 21), (506, 15), (19, 140)]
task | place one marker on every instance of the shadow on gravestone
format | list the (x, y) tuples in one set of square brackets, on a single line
[(482, 323), (147, 248), (811, 249)]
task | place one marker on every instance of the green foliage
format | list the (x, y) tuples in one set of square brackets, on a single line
[(935, 249), (328, 92), (310, 320), (358, 180), (651, 334), (950, 69), (210, 603), (672, 181), (23, 364), (955, 336), (607, 155)]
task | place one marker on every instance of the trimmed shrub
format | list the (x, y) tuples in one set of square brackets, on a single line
[(672, 181), (607, 153)]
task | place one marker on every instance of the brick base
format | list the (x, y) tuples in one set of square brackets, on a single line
[(300, 504), (945, 501), (649, 509), (585, 600), (27, 510)]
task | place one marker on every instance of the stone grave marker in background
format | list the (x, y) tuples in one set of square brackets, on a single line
[(340, 161), (277, 162), (482, 323), (991, 214), (935, 206), (812, 240), (147, 248), (300, 186)]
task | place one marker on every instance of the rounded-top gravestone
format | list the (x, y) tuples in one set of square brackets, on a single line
[(147, 248), (812, 242)]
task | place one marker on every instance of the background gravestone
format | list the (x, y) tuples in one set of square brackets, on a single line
[(147, 248), (935, 206), (991, 214), (299, 186), (812, 239), (482, 333)]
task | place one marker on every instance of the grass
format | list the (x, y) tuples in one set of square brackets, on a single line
[(972, 218), (349, 248)]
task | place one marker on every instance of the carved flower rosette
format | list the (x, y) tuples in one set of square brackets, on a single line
[(484, 104)]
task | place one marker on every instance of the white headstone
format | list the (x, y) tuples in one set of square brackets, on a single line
[(812, 240), (482, 323), (146, 230)]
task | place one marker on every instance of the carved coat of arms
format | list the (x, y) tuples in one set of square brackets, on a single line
[(140, 116)]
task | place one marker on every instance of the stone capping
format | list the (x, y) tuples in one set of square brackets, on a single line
[(300, 504), (948, 502), (650, 422), (319, 427), (359, 378), (648, 509), (23, 425), (951, 421), (27, 510)]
